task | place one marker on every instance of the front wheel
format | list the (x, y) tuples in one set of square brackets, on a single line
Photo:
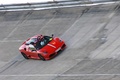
[(24, 55), (41, 57)]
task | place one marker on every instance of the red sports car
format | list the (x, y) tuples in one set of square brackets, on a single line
[(42, 47)]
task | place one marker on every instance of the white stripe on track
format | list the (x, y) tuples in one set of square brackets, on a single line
[(12, 40), (66, 75)]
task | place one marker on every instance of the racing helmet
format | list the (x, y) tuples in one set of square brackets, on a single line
[(39, 38)]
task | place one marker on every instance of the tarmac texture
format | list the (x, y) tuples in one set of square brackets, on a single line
[(92, 36)]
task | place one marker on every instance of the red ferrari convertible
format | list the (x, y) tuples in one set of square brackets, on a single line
[(42, 47)]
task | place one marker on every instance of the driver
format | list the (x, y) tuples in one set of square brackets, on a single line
[(40, 41)]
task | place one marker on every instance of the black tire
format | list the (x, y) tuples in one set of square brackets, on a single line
[(24, 55), (41, 57)]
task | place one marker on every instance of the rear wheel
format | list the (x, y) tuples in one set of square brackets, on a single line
[(41, 57), (24, 55)]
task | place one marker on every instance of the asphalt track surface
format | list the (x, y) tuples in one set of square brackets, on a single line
[(92, 35)]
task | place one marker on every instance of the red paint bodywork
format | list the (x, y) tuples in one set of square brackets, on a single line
[(48, 51)]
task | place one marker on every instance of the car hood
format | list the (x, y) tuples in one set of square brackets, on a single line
[(52, 46)]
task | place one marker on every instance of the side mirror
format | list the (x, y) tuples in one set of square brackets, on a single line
[(52, 35)]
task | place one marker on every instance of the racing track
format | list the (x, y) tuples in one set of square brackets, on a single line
[(92, 35)]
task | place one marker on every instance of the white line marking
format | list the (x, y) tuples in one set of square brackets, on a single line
[(12, 40), (11, 33), (63, 6), (46, 24), (51, 75)]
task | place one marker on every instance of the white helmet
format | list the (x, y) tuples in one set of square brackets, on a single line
[(31, 47)]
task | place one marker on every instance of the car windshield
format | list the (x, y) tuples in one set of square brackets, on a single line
[(39, 43), (43, 42), (34, 40)]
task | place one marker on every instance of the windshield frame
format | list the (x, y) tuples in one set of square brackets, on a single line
[(31, 40)]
